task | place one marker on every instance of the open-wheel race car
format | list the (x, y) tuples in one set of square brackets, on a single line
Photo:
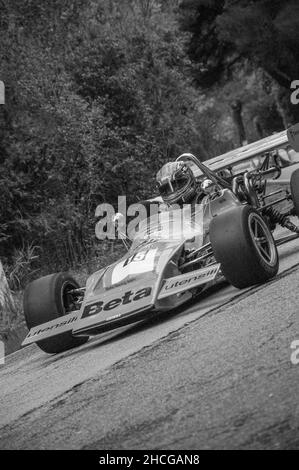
[(229, 235)]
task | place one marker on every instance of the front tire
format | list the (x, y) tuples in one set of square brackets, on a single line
[(46, 299), (244, 246)]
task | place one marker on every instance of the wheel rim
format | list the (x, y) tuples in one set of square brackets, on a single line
[(66, 288), (262, 239)]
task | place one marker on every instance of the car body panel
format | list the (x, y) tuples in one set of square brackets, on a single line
[(52, 328)]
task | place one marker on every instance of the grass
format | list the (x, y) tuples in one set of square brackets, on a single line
[(11, 311)]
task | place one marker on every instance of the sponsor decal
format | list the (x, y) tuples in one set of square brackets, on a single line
[(139, 263), (178, 284), (35, 332), (129, 297), (52, 328)]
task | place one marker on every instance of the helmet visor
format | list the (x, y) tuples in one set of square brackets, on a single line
[(170, 187)]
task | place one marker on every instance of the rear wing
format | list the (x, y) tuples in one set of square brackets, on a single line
[(286, 142)]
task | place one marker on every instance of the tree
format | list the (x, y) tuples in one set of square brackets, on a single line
[(225, 34), (98, 97)]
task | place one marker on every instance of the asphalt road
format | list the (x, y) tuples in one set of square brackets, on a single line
[(215, 375)]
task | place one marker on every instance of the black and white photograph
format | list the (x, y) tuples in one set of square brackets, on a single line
[(149, 229)]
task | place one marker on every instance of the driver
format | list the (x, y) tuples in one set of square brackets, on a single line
[(177, 184)]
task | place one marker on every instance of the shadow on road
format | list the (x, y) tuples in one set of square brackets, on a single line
[(142, 325)]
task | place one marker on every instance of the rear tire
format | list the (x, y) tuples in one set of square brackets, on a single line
[(295, 190), (46, 299), (244, 246)]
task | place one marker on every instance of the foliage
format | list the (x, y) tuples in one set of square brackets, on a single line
[(227, 34), (100, 93), (97, 99)]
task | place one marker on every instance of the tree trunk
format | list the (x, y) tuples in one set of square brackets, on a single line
[(5, 297), (238, 120), (259, 128)]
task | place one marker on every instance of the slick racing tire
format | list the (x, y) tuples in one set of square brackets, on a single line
[(295, 190), (47, 299), (244, 246)]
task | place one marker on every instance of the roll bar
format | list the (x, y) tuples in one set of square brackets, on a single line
[(206, 171)]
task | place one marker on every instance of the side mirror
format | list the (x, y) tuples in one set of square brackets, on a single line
[(118, 219), (275, 166), (120, 225)]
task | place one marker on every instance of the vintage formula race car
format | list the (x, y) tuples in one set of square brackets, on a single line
[(230, 235)]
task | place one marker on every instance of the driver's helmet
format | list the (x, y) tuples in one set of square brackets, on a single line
[(176, 183)]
